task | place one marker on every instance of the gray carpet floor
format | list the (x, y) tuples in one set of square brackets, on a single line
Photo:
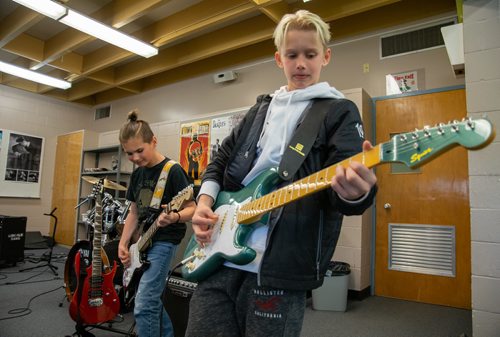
[(33, 304)]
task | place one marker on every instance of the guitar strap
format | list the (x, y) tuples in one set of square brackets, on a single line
[(154, 206), (160, 185), (303, 138)]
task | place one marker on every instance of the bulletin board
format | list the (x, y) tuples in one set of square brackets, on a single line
[(20, 164)]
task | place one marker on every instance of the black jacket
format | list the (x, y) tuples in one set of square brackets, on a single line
[(303, 234)]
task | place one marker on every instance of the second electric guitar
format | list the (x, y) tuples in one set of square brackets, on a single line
[(138, 256), (95, 299)]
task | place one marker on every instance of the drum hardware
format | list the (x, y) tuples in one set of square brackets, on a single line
[(113, 212), (123, 212)]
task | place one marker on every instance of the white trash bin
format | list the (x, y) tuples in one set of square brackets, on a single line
[(332, 295)]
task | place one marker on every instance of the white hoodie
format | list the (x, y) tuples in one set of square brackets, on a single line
[(283, 113)]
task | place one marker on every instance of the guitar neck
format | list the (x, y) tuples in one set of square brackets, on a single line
[(253, 211), (174, 204), (97, 243), (143, 242)]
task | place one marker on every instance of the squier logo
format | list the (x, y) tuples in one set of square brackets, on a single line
[(298, 148), (417, 156)]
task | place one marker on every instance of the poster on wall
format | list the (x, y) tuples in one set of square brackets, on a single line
[(20, 164), (402, 82), (221, 128), (194, 148)]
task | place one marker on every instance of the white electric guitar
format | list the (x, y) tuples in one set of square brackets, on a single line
[(137, 251)]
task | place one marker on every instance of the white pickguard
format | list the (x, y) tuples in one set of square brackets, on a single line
[(222, 240), (135, 263)]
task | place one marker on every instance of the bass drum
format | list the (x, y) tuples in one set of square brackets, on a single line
[(84, 248)]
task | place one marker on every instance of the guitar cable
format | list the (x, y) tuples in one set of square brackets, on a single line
[(20, 312)]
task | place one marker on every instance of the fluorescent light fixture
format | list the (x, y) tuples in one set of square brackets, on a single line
[(90, 26), (108, 34), (33, 76), (45, 7)]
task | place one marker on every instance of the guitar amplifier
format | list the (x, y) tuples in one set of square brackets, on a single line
[(12, 237), (175, 298)]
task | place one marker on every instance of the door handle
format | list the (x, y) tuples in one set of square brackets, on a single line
[(387, 205)]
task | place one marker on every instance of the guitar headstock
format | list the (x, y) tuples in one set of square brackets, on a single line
[(417, 147), (181, 197), (98, 188)]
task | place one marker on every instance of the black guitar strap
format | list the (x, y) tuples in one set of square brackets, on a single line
[(303, 138)]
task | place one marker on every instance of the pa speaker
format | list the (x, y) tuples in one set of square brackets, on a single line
[(12, 236)]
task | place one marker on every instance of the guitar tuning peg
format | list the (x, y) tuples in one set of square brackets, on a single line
[(427, 132), (470, 123)]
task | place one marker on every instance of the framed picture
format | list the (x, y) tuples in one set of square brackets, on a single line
[(20, 164)]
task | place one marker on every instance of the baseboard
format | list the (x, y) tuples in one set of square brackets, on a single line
[(359, 294)]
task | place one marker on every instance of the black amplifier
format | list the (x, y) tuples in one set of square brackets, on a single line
[(175, 298), (12, 237)]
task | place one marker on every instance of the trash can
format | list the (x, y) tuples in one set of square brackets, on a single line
[(332, 295)]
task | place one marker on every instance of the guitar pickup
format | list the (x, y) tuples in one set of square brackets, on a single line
[(190, 266), (198, 253)]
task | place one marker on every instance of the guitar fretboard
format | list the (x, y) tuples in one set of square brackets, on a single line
[(146, 237), (253, 211), (174, 204), (97, 244)]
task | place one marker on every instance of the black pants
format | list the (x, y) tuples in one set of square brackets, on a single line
[(230, 304)]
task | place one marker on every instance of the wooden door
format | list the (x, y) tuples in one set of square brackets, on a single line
[(423, 217), (65, 188)]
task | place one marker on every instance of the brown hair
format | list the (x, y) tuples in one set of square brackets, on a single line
[(135, 128)]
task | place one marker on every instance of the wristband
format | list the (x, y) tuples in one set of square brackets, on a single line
[(179, 216)]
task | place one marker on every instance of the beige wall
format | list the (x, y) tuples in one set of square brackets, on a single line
[(43, 117), (482, 73)]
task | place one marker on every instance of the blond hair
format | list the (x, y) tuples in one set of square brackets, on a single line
[(301, 20), (135, 127)]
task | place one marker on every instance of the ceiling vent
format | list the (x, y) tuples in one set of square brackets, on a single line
[(413, 41), (102, 112)]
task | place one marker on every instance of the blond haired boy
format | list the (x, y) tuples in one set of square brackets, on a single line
[(267, 296)]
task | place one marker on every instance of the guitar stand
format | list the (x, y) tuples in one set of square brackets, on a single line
[(52, 244), (82, 332)]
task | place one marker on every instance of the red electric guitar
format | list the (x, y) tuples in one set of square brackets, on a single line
[(95, 299)]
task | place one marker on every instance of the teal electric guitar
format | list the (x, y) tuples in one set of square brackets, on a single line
[(239, 212)]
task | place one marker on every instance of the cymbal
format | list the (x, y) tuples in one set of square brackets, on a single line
[(107, 183)]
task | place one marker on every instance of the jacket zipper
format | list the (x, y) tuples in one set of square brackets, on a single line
[(318, 250)]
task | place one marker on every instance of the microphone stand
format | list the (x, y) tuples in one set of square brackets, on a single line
[(52, 244)]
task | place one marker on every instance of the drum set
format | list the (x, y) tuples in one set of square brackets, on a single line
[(113, 217)]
